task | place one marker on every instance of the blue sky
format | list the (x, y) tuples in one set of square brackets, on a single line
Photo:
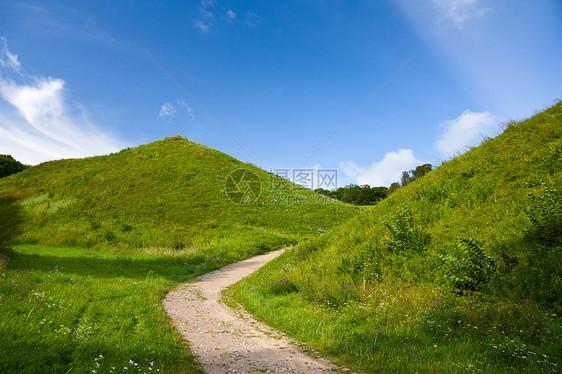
[(370, 88)]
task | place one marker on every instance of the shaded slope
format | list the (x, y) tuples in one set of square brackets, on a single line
[(458, 271), (170, 193)]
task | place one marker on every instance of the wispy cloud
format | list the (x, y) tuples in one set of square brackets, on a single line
[(187, 107), (206, 17), (383, 172), (38, 124), (167, 111), (210, 13), (459, 12), (252, 19), (7, 59), (462, 132)]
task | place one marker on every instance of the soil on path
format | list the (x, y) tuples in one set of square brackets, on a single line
[(231, 341)]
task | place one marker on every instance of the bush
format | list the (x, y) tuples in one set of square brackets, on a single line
[(545, 212), (468, 268), (404, 235)]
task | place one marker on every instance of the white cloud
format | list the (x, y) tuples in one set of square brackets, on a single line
[(37, 124), (167, 111), (206, 17), (459, 12), (7, 59), (205, 14), (230, 14), (384, 172), (187, 107), (201, 25), (464, 131)]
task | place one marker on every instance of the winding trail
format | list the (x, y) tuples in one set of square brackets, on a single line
[(232, 341)]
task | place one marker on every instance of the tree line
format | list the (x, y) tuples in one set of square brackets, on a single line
[(367, 195)]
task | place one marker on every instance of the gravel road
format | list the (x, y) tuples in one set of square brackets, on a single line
[(231, 341)]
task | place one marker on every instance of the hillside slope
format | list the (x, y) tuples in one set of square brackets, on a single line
[(461, 270), (171, 193)]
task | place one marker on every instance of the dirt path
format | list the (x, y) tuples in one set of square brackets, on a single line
[(231, 341)]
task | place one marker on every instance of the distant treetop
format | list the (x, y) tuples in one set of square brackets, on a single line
[(9, 166)]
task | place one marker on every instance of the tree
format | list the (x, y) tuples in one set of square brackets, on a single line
[(405, 178), (393, 187), (9, 166), (357, 195), (421, 170)]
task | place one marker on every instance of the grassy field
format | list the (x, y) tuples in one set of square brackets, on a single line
[(70, 309), (96, 243), (459, 271)]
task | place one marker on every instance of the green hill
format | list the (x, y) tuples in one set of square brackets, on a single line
[(171, 193), (459, 271)]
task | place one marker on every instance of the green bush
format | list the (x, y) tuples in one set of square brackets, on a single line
[(468, 268), (404, 235), (545, 212)]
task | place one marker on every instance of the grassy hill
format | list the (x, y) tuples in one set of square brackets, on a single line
[(96, 243), (459, 271), (170, 193)]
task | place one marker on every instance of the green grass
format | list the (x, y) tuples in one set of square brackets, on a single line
[(459, 271), (97, 242), (70, 309)]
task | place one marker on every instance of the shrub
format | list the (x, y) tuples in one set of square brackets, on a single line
[(404, 235), (109, 235), (545, 212), (468, 268)]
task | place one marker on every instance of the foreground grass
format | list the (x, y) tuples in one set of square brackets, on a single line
[(405, 329), (77, 310), (459, 271)]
